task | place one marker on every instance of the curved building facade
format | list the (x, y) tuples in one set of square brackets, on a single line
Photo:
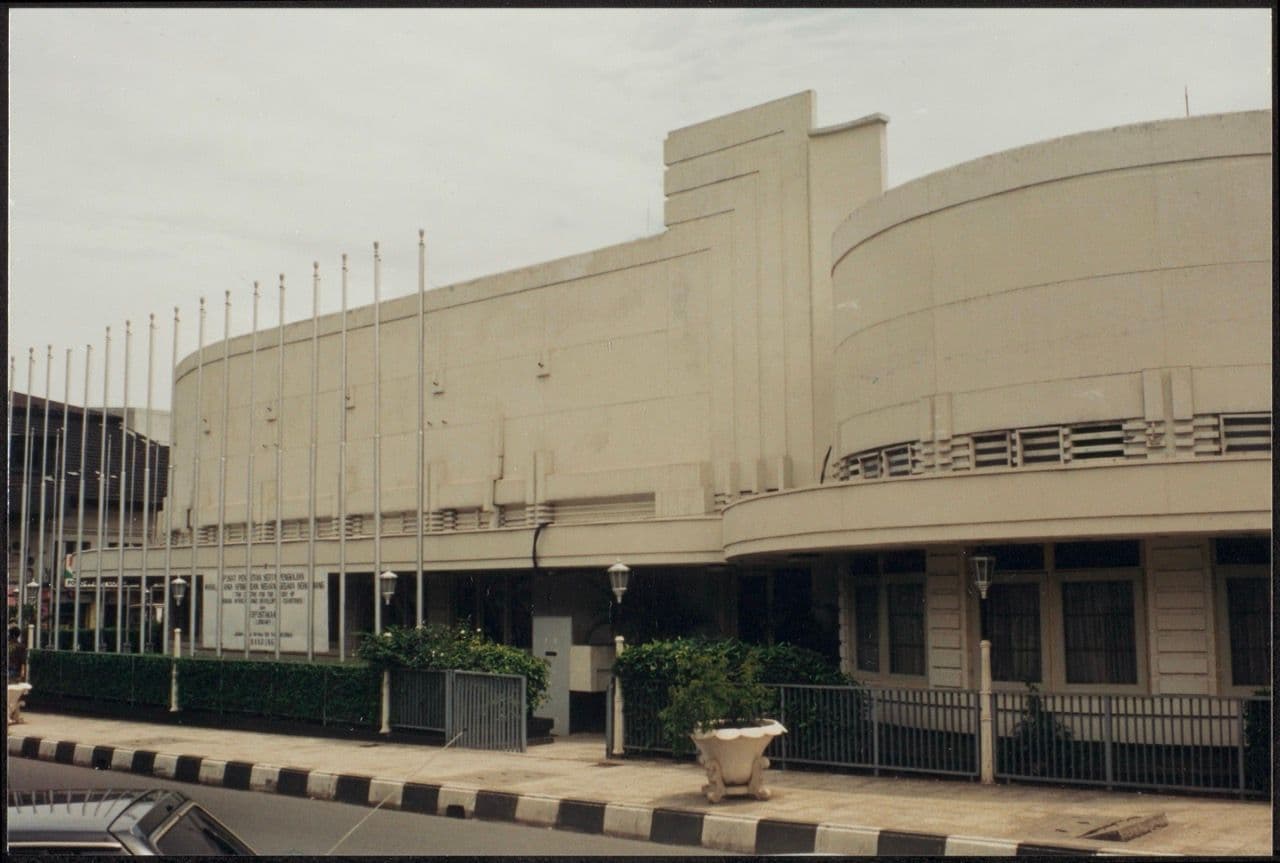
[(796, 413)]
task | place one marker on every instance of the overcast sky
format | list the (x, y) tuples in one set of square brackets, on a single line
[(156, 156)]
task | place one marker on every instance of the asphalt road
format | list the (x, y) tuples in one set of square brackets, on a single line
[(275, 825)]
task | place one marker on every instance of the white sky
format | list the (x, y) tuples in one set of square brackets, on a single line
[(156, 156)]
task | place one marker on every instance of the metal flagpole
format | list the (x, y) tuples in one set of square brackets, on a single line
[(377, 439), (222, 469), (26, 489), (57, 484), (144, 627), (279, 453), (104, 468), (195, 592), (422, 292), (248, 487), (84, 443), (311, 470), (124, 484), (168, 488), (44, 448), (342, 480), (44, 613), (61, 555)]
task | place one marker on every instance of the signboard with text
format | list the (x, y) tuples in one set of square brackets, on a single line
[(264, 598)]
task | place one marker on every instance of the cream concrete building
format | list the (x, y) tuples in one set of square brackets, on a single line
[(794, 413)]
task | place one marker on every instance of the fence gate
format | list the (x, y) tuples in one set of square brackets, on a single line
[(484, 711)]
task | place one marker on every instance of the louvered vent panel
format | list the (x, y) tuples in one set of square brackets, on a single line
[(898, 461), (1201, 436), (296, 528), (721, 500), (1039, 446), (621, 509), (470, 519), (209, 535), (447, 519), (1095, 440), (991, 450), (1141, 437), (1246, 433), (235, 533), (961, 453), (869, 466), (513, 516), (327, 528), (265, 532), (846, 469)]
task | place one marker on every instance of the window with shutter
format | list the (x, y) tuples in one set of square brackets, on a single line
[(1098, 632)]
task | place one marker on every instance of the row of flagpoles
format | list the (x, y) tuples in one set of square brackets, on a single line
[(52, 621)]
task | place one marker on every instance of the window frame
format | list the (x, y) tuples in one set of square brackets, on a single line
[(1222, 622), (1053, 637), (882, 581)]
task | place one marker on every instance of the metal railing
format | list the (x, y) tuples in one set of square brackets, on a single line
[(915, 730), (1167, 742), (485, 711)]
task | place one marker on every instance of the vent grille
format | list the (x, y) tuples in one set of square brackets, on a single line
[(899, 460), (1039, 446), (1096, 440), (991, 449)]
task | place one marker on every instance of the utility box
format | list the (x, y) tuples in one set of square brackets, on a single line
[(590, 667)]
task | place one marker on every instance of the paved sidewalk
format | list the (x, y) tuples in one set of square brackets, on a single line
[(569, 784)]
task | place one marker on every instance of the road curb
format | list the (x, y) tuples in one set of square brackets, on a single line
[(733, 833)]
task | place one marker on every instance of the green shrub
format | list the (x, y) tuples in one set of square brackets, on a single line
[(101, 677), (714, 697), (651, 672), (443, 648)]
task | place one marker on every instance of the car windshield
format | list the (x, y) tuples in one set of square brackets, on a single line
[(196, 833)]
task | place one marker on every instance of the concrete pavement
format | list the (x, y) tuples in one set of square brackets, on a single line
[(569, 784)]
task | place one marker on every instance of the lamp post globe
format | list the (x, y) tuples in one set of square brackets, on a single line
[(387, 586), (983, 566), (619, 575), (179, 588)]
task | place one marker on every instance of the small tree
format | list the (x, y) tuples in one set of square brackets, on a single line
[(1039, 735)]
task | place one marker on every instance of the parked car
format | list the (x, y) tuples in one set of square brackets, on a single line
[(125, 821)]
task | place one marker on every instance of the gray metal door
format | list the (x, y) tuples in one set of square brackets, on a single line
[(552, 637)]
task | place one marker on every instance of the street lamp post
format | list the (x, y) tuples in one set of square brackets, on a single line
[(983, 565)]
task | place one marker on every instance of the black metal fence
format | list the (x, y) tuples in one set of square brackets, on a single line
[(916, 730), (1167, 742), (484, 711), (1199, 743)]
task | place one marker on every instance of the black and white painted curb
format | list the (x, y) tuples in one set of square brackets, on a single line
[(734, 833)]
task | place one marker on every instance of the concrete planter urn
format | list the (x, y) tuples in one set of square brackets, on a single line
[(734, 759)]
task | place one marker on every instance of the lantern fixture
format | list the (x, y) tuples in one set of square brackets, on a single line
[(983, 567), (619, 575), (387, 586), (179, 588)]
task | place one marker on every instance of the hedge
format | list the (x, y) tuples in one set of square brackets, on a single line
[(327, 694), (443, 648)]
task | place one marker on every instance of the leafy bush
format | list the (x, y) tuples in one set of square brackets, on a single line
[(101, 677), (443, 648), (1040, 739), (650, 673), (714, 697)]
